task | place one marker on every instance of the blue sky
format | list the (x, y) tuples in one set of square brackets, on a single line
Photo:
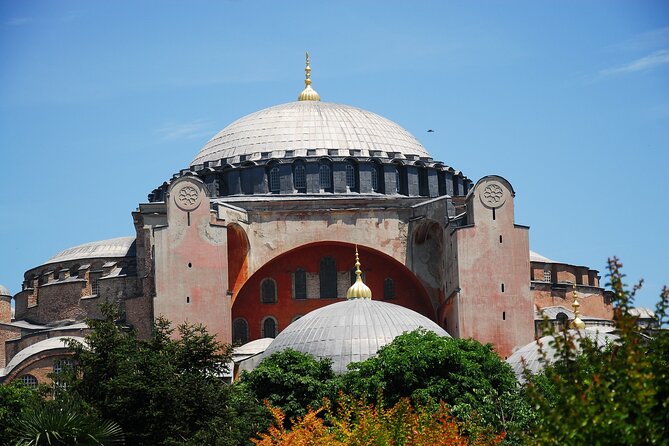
[(100, 102)]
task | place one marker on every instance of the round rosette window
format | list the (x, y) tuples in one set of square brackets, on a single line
[(493, 194), (187, 196)]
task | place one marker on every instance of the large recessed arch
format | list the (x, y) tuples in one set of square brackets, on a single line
[(378, 266)]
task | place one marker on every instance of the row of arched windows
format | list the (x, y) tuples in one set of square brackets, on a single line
[(327, 276), (269, 328), (324, 177)]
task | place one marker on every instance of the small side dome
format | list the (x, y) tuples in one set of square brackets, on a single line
[(4, 291), (350, 331)]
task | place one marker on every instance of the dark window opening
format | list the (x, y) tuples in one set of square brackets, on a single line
[(502, 288), (274, 180), (240, 331), (328, 278), (300, 283), (503, 315), (187, 299), (269, 328), (500, 239), (190, 265), (268, 291), (388, 288), (423, 187), (299, 177), (350, 176), (325, 177), (493, 213)]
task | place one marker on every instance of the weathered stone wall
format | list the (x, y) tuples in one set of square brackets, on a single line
[(494, 303)]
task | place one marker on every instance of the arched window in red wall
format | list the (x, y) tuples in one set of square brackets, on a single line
[(268, 291), (240, 331), (269, 327), (28, 380), (388, 288), (328, 278), (300, 284)]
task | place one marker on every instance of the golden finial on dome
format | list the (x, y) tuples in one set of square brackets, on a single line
[(577, 323), (308, 94), (358, 290)]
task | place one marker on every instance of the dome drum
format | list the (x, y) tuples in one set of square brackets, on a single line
[(327, 174)]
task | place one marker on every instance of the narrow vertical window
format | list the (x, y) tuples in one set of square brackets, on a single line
[(300, 284), (423, 188), (299, 176), (375, 178), (388, 288), (502, 288), (274, 181), (240, 331), (328, 278), (268, 291), (325, 176), (350, 176), (95, 286), (269, 327), (398, 180)]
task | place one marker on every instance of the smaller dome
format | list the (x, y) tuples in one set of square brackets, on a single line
[(4, 291), (350, 331), (115, 247), (530, 357)]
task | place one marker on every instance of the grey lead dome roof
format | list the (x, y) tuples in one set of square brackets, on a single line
[(303, 125), (115, 247), (350, 331)]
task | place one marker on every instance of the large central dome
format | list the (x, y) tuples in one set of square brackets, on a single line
[(310, 125)]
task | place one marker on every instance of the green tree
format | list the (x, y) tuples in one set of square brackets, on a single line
[(15, 399), (468, 376), (612, 396), (51, 425), (292, 381), (163, 391)]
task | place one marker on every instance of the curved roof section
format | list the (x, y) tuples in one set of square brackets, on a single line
[(4, 291), (115, 247), (530, 356), (536, 257), (350, 331), (306, 125), (38, 347)]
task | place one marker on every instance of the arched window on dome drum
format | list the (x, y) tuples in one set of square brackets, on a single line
[(399, 180), (299, 176), (423, 188), (325, 177), (274, 180), (240, 331), (377, 178), (328, 278), (61, 366), (28, 380), (388, 288), (300, 284), (268, 291), (350, 176), (269, 327)]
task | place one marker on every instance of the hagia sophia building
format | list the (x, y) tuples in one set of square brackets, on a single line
[(261, 230)]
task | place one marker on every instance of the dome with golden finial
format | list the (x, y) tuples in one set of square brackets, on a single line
[(358, 290), (308, 94), (352, 330)]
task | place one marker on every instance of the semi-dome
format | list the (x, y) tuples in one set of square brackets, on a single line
[(350, 331), (4, 291), (115, 247), (310, 125)]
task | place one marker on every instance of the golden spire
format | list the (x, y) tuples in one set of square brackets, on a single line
[(358, 290), (577, 323), (308, 94)]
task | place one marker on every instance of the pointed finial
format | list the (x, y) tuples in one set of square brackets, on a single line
[(358, 290), (308, 94), (577, 323)]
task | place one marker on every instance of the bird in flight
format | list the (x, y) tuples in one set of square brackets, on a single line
[(430, 131)]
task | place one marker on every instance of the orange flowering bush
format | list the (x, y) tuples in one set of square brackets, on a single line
[(355, 423)]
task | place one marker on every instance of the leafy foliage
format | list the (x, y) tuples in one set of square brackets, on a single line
[(16, 399), (292, 381), (619, 395), (467, 375), (164, 390), (355, 423), (51, 425)]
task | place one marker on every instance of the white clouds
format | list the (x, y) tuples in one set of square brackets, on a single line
[(653, 60), (188, 130)]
